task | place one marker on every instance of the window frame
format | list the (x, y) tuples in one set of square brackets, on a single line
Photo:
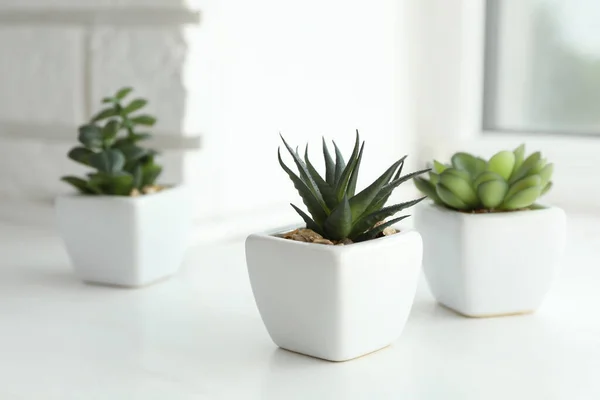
[(457, 28)]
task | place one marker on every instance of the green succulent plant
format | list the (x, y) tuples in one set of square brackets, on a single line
[(109, 144), (507, 181), (336, 212)]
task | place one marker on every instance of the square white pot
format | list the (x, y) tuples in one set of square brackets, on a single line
[(334, 302), (492, 264), (125, 241)]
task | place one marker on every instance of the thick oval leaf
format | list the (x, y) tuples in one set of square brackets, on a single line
[(90, 136), (469, 163), (434, 178), (123, 92), (427, 188), (546, 174), (533, 180), (519, 153), (132, 152), (338, 224), (150, 172), (485, 177), (78, 183), (449, 198), (460, 187), (438, 167), (143, 119), (537, 167), (134, 106), (108, 161), (106, 113), (492, 192), (523, 198), (458, 173), (118, 184), (527, 165), (81, 155), (502, 163), (546, 188), (109, 132)]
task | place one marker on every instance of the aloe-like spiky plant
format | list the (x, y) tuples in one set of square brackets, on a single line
[(508, 181), (336, 212), (121, 165)]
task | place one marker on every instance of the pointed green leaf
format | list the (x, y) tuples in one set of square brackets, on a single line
[(372, 233), (546, 174), (519, 153), (400, 167), (382, 197), (338, 224), (312, 203), (361, 202), (526, 167), (109, 161), (354, 177), (342, 183), (449, 198), (340, 164), (310, 224), (325, 189), (434, 178), (305, 176), (329, 165), (438, 167), (492, 192), (368, 221)]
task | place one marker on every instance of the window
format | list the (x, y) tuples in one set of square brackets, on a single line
[(542, 67)]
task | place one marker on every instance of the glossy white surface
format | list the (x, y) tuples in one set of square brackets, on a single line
[(491, 264), (334, 302), (199, 336)]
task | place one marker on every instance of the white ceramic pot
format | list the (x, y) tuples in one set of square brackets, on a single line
[(125, 241), (334, 302), (483, 265)]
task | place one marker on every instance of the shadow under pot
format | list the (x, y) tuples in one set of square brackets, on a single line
[(491, 264)]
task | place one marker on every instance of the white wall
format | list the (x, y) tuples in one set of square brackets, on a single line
[(248, 71)]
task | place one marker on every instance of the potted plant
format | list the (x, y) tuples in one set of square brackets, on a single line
[(121, 228), (490, 248), (342, 285)]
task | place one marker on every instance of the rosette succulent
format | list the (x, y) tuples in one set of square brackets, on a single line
[(336, 212), (507, 181), (109, 144)]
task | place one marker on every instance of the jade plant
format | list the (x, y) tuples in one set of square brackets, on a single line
[(109, 143), (508, 181), (336, 212)]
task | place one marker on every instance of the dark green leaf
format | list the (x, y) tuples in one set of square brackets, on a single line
[(90, 136), (367, 222), (134, 106), (123, 92), (372, 233), (383, 196), (118, 184), (144, 119), (329, 165), (109, 161), (342, 183), (106, 113), (314, 206), (339, 223), (110, 100), (305, 176), (310, 224), (354, 177), (140, 136), (399, 172), (132, 152), (150, 173), (138, 176), (361, 202), (109, 132), (326, 191), (81, 155), (78, 183), (340, 164)]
